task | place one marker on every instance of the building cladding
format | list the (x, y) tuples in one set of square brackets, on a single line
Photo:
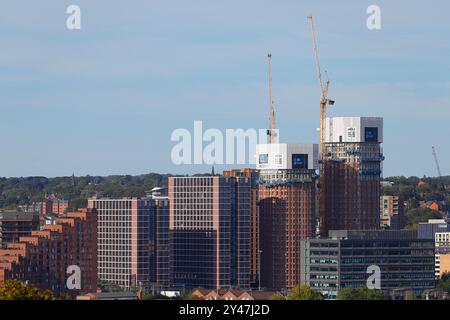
[(210, 232), (427, 230), (162, 248), (254, 254), (342, 260), (287, 205), (42, 258), (392, 212), (14, 225), (352, 173), (126, 241), (442, 253)]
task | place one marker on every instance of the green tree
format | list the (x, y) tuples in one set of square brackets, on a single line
[(17, 290), (414, 216), (19, 191), (106, 286), (406, 191), (361, 293), (304, 292), (277, 296), (154, 297), (444, 282), (188, 296)]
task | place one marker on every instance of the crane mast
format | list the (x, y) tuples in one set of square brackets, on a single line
[(323, 90), (437, 163), (271, 132), (324, 101), (444, 190)]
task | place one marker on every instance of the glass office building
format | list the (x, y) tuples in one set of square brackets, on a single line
[(346, 257), (210, 232)]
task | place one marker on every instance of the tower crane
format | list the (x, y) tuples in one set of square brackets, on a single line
[(444, 190), (271, 132), (324, 102), (324, 86)]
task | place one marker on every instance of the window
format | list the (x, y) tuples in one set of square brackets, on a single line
[(299, 161), (278, 159), (263, 158), (351, 134), (371, 134)]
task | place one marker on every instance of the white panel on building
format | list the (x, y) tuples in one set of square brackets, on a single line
[(286, 156), (354, 129)]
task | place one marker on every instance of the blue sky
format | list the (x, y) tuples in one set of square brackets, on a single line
[(105, 99)]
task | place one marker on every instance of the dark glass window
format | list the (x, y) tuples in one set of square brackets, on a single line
[(299, 161), (263, 158), (371, 134)]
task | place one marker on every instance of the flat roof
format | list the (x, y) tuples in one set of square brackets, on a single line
[(18, 215), (116, 295)]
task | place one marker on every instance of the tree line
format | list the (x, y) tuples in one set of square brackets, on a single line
[(27, 190)]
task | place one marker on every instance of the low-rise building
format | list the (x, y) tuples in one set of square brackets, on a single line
[(346, 258), (444, 264), (392, 213), (442, 253), (59, 206), (432, 205), (125, 295), (427, 230), (204, 294), (50, 205), (43, 258)]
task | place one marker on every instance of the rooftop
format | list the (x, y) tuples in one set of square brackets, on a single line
[(18, 215)]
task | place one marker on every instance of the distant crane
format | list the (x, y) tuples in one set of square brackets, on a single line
[(271, 132), (444, 190), (324, 102)]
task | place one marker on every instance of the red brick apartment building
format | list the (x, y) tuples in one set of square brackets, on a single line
[(48, 206), (42, 258), (59, 206), (287, 205), (392, 212), (352, 168), (14, 225)]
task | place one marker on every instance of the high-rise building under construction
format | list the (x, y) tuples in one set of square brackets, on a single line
[(352, 168), (287, 197), (287, 203)]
